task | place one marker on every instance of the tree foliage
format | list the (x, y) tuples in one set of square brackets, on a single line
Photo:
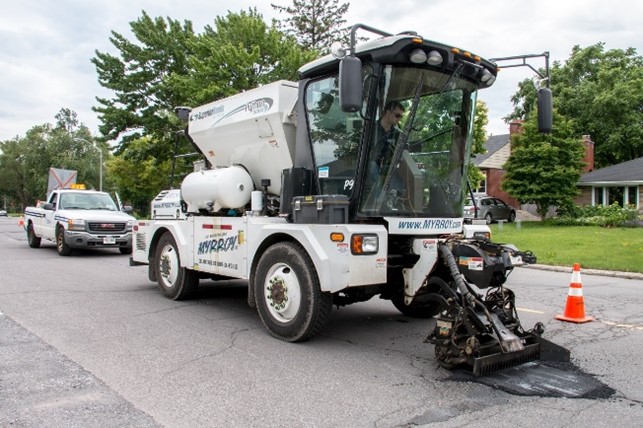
[(239, 53), (543, 169), (139, 177), (480, 122), (25, 161), (315, 24), (601, 92), (138, 76)]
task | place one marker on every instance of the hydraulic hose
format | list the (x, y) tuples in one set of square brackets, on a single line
[(455, 272)]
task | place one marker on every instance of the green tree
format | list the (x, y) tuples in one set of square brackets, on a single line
[(25, 161), (315, 24), (138, 75), (239, 53), (139, 177), (480, 122), (602, 93), (168, 65), (543, 169)]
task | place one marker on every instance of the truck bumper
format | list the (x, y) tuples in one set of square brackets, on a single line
[(86, 240)]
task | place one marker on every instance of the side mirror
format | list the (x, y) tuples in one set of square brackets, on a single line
[(49, 207), (545, 110), (350, 84), (127, 209)]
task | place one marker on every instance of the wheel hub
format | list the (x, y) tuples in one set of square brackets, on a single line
[(165, 266), (278, 293)]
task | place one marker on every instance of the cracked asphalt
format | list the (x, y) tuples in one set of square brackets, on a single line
[(89, 341)]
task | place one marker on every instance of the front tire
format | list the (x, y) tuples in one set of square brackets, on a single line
[(288, 297), (175, 282), (512, 217), (61, 246), (32, 239)]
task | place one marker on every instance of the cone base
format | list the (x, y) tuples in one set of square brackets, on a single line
[(576, 320)]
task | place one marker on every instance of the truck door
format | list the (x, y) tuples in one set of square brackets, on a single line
[(48, 228)]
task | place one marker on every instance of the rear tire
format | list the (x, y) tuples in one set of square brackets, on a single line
[(289, 300), (488, 218), (175, 282), (32, 239), (61, 246)]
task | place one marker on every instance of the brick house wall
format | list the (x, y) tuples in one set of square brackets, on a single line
[(494, 181)]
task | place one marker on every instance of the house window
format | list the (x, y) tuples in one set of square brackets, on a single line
[(482, 188), (632, 196), (615, 195), (598, 196)]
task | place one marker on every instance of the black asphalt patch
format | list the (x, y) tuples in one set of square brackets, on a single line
[(543, 379)]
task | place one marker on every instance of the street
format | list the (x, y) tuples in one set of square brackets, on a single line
[(87, 340)]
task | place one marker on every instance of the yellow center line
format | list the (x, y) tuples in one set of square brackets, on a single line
[(620, 325), (531, 311)]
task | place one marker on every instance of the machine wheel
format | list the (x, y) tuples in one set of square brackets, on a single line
[(61, 246), (425, 309), (125, 250), (415, 310), (488, 218), (288, 297), (176, 282), (512, 217), (32, 239)]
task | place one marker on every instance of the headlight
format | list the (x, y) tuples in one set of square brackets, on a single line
[(75, 224), (364, 244), (130, 224)]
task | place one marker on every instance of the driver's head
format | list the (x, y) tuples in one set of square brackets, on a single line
[(393, 112)]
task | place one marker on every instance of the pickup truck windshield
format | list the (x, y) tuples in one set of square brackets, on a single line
[(86, 201)]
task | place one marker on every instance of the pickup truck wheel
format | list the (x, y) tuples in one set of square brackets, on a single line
[(288, 297), (61, 246), (32, 239), (176, 282)]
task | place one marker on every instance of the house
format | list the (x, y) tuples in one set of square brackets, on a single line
[(621, 183), (491, 164)]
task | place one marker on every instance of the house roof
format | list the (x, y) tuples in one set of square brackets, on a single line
[(497, 151), (630, 172)]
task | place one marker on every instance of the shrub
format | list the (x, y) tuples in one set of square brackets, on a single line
[(597, 215)]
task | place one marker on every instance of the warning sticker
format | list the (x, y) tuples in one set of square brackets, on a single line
[(342, 248), (475, 263)]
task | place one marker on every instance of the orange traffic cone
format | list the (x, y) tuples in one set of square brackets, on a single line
[(21, 222), (575, 307)]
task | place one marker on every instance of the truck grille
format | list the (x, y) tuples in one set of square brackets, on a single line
[(107, 227)]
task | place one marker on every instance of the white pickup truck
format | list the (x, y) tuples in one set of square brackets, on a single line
[(80, 219)]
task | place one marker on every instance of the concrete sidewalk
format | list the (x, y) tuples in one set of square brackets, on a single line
[(616, 274)]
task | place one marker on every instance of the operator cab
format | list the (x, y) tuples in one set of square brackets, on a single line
[(424, 173)]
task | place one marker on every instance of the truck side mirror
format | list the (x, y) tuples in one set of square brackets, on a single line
[(49, 207), (350, 84), (545, 110)]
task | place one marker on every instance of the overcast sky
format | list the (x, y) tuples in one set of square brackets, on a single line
[(46, 45)]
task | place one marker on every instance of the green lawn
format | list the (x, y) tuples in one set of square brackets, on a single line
[(594, 247)]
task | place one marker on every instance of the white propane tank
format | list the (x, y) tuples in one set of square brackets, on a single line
[(214, 189)]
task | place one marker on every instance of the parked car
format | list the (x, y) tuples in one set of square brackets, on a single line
[(489, 208), (3, 213)]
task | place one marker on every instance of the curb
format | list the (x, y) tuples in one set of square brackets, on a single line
[(616, 274)]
